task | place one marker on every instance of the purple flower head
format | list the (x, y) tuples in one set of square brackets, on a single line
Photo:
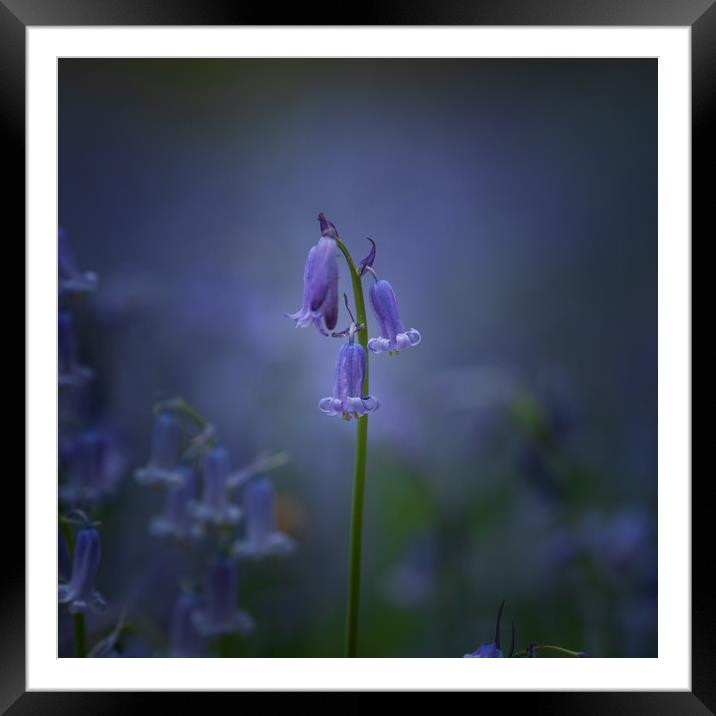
[(94, 466), (162, 466), (175, 522), (328, 228), (215, 506), (262, 538), (320, 284), (70, 278), (393, 336), (184, 640), (347, 399), (492, 650), (70, 372), (485, 651), (219, 614), (80, 593)]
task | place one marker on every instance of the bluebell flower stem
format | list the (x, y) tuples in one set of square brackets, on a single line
[(561, 650), (80, 637), (78, 619), (179, 405), (356, 534)]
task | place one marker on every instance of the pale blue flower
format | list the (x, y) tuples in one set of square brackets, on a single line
[(492, 650), (393, 336), (176, 520), (184, 640), (70, 372), (215, 506), (94, 466), (348, 399), (261, 536), (320, 283), (163, 462), (219, 613), (80, 593), (70, 278)]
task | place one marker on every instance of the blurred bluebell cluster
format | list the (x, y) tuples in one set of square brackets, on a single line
[(192, 470), (514, 454)]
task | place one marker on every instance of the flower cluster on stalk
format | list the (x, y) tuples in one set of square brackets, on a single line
[(222, 514), (89, 460), (320, 308), (493, 649)]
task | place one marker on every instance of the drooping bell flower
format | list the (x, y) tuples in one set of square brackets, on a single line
[(393, 336), (70, 372), (80, 593), (185, 642), (219, 613), (261, 538), (162, 466), (492, 650), (215, 506), (70, 278), (348, 399), (64, 565), (176, 520), (94, 465), (320, 283)]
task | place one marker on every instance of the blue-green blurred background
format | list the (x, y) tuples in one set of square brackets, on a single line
[(514, 456)]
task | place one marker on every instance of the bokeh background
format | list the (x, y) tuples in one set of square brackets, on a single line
[(514, 456)]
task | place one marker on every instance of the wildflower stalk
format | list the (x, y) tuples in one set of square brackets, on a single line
[(80, 637), (78, 619), (356, 535), (559, 649)]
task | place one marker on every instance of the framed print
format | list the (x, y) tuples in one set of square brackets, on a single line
[(478, 444)]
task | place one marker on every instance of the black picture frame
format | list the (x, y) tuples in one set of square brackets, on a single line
[(17, 15)]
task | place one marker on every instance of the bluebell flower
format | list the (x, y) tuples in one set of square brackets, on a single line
[(70, 278), (261, 537), (162, 466), (64, 565), (176, 520), (393, 336), (93, 468), (215, 506), (218, 613), (320, 283), (70, 372), (492, 650), (185, 642), (80, 593), (485, 651), (348, 399)]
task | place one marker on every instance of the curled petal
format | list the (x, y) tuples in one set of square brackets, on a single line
[(367, 262)]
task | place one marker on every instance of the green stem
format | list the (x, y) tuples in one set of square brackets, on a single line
[(356, 535), (561, 650), (179, 405), (78, 619), (80, 637)]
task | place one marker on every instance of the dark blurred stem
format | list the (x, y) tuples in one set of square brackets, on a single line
[(80, 639), (561, 650), (78, 619), (224, 646), (354, 556)]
